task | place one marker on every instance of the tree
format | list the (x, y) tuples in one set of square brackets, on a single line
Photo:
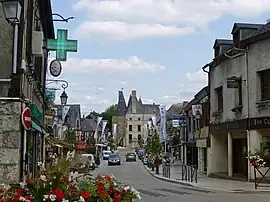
[(140, 142), (112, 143), (70, 137), (156, 146), (108, 114)]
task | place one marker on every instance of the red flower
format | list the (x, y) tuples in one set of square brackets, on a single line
[(86, 194), (59, 194), (101, 189), (102, 195), (27, 198), (73, 188), (116, 200)]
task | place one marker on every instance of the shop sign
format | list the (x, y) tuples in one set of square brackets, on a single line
[(202, 143), (259, 123), (36, 114), (236, 125)]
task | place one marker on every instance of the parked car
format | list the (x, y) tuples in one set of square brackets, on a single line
[(145, 160), (131, 157), (114, 159), (91, 159), (140, 154), (106, 154)]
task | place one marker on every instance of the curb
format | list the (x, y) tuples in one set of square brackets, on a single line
[(266, 192), (168, 179)]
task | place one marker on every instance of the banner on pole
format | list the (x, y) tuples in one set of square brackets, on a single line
[(162, 111), (104, 124), (114, 130), (96, 131)]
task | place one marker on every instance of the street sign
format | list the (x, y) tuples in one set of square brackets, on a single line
[(62, 45), (55, 68), (26, 118)]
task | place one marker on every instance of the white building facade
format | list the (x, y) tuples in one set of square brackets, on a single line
[(239, 100)]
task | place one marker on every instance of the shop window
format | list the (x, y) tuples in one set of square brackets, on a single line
[(139, 136)]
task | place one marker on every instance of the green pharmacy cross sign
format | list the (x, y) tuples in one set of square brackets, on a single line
[(62, 45)]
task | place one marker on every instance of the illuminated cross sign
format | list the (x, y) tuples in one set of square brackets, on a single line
[(62, 45)]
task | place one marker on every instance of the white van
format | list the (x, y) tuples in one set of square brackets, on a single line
[(92, 160), (106, 154)]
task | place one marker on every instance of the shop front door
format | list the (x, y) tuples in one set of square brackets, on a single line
[(240, 162)]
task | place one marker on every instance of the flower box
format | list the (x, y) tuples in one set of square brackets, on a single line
[(55, 184)]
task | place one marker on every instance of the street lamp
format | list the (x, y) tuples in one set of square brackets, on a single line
[(12, 11), (64, 98)]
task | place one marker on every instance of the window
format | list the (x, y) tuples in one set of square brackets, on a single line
[(265, 85), (219, 96), (130, 138), (130, 128), (139, 119), (78, 124), (139, 136), (139, 128), (130, 119)]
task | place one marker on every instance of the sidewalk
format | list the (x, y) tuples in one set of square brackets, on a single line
[(207, 183)]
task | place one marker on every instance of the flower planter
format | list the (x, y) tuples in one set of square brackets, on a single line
[(57, 186)]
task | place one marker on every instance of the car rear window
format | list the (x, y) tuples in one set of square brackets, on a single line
[(131, 154), (113, 156), (106, 153)]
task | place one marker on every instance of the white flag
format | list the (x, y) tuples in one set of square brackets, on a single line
[(162, 111), (104, 123), (154, 120), (96, 131), (114, 130), (65, 111)]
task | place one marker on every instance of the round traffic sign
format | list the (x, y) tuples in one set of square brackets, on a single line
[(26, 118)]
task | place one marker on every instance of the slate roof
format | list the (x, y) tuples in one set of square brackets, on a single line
[(121, 106), (222, 42), (71, 117), (176, 110), (238, 26), (142, 108), (89, 125)]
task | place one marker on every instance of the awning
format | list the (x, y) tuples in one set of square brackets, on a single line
[(37, 127), (59, 143)]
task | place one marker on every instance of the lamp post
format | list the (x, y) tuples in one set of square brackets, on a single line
[(12, 11)]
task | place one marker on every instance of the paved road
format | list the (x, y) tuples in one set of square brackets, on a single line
[(154, 190)]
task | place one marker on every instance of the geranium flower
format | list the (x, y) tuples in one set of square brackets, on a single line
[(86, 194), (59, 193)]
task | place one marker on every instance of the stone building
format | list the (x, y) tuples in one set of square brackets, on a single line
[(136, 115), (239, 96), (24, 87), (196, 152)]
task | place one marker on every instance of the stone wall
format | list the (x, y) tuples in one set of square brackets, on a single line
[(6, 43), (10, 141)]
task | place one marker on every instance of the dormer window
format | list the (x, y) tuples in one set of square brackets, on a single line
[(236, 38)]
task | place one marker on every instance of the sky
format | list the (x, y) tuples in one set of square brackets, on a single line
[(157, 47)]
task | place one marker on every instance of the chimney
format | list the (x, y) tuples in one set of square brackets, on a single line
[(133, 101), (133, 93)]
